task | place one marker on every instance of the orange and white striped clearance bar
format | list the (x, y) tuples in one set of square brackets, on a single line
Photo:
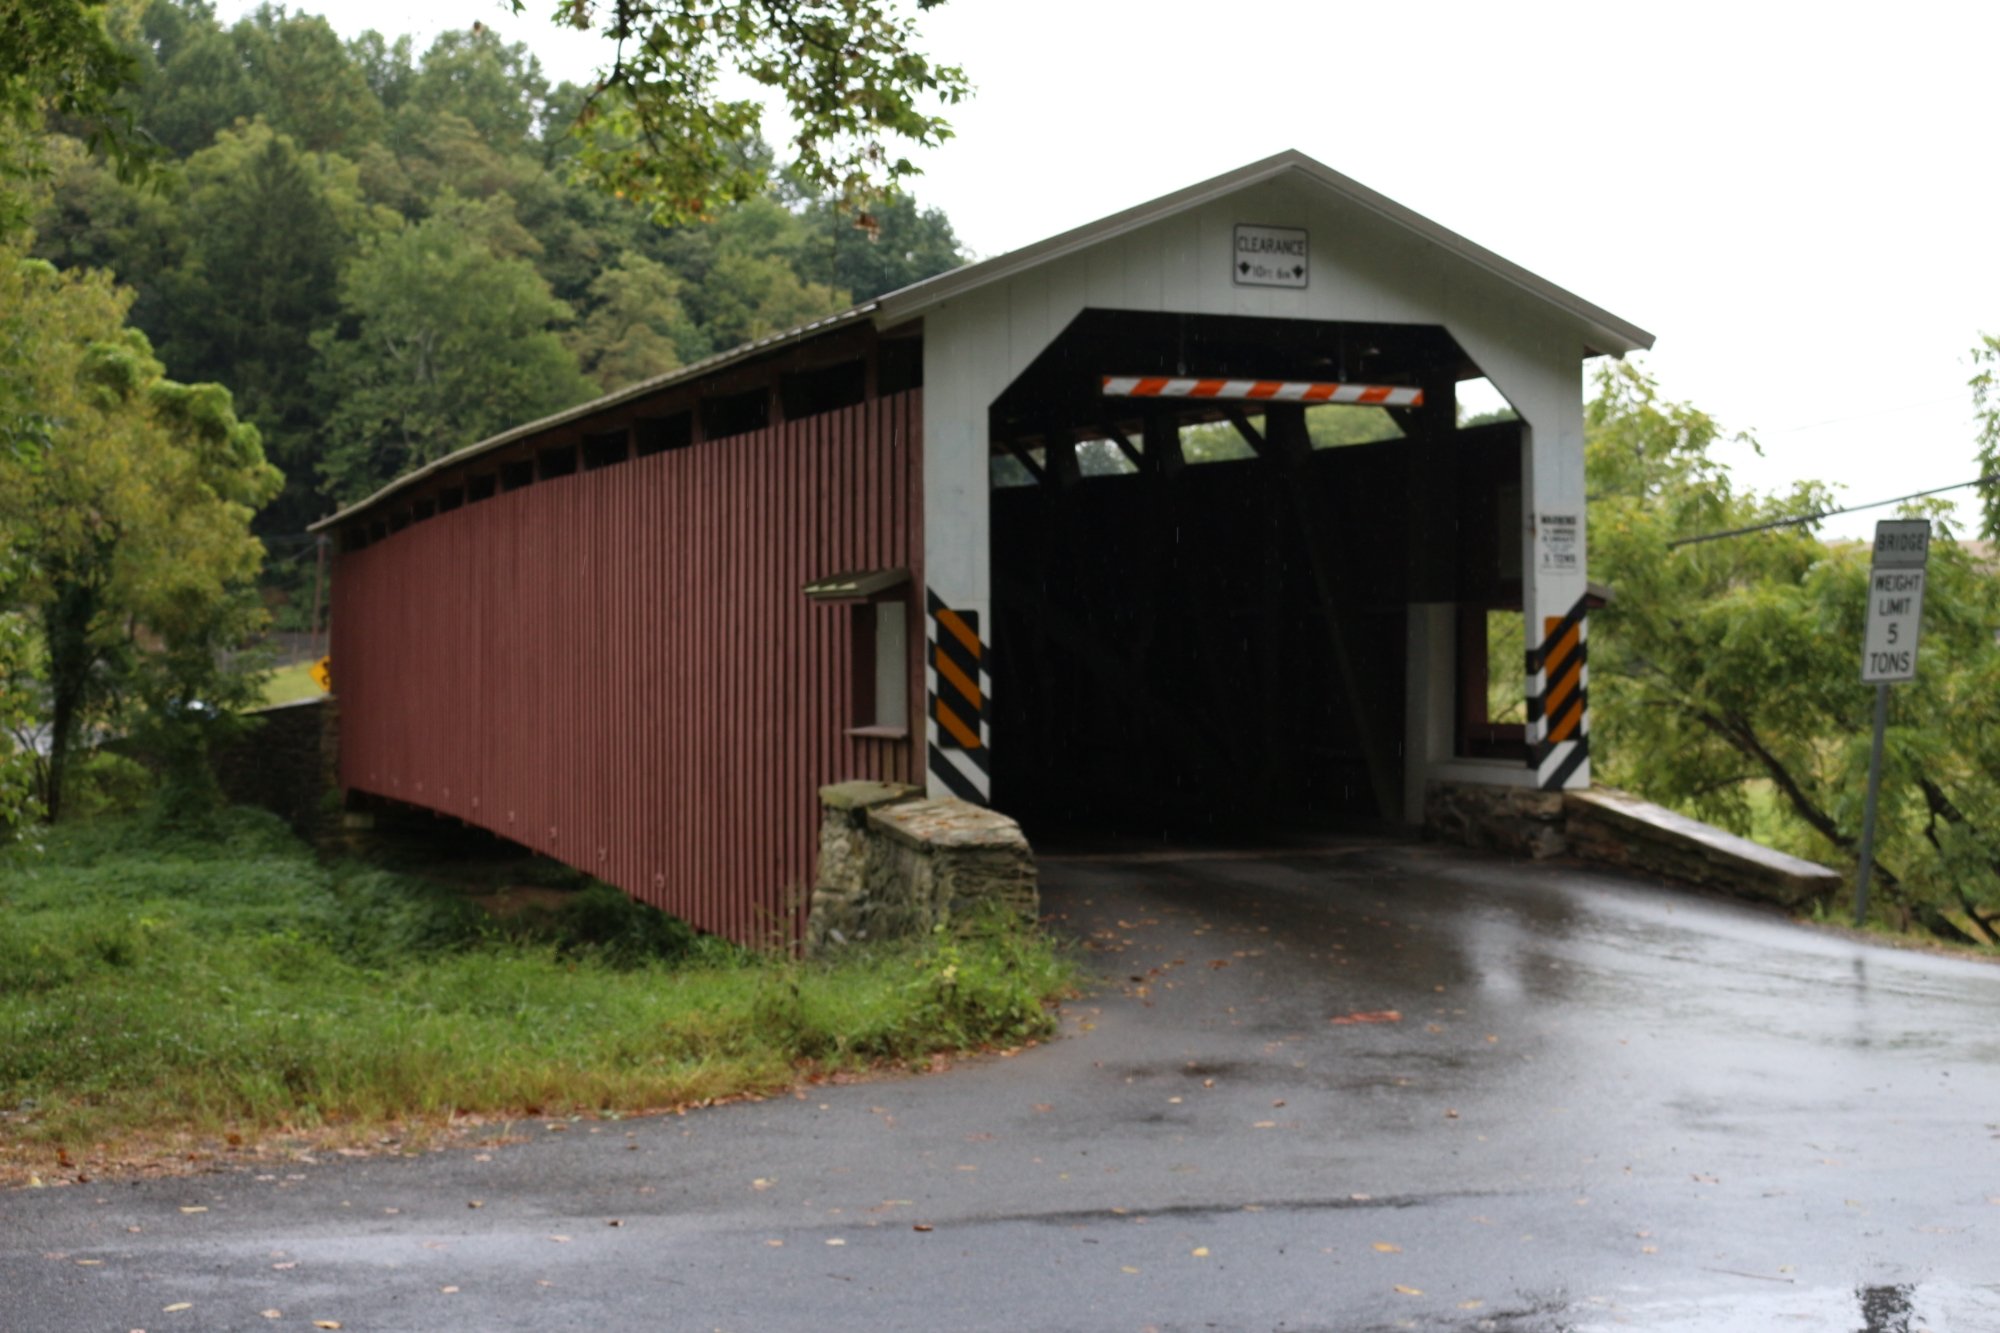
[(1277, 391)]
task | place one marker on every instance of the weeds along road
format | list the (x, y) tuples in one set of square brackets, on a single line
[(1356, 1086)]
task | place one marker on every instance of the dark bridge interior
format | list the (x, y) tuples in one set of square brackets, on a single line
[(1200, 606)]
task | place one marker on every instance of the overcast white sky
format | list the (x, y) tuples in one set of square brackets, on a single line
[(1800, 202)]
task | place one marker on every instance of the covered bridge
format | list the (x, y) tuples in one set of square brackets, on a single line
[(1062, 531)]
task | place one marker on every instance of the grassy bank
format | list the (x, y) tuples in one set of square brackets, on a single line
[(155, 989), (288, 684)]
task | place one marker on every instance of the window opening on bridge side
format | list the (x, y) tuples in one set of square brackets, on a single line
[(557, 462), (826, 389), (878, 602), (735, 413), (605, 448), (1492, 682), (882, 667), (656, 435), (899, 365)]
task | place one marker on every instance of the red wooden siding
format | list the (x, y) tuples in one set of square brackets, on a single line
[(617, 667)]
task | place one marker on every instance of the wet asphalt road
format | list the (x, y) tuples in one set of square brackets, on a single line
[(1600, 1106)]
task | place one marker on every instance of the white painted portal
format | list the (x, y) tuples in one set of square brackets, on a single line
[(984, 325)]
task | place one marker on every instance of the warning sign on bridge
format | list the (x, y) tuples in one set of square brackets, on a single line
[(1895, 600)]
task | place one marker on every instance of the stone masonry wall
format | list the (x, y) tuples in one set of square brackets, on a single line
[(1520, 821), (285, 764), (1614, 828), (894, 864)]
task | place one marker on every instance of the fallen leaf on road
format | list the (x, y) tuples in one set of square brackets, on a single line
[(1450, 1114), (836, 1241), (88, 1263), (760, 1184), (616, 1222), (177, 1307), (1386, 1248), (1200, 1251), (449, 1291), (196, 1209), (1367, 1016), (1408, 1291), (1470, 1305), (326, 1323), (475, 1203), (293, 1263), (1128, 1269), (1649, 1249), (272, 1314), (560, 1240), (921, 1226), (1265, 1124), (775, 1244), (1042, 1108)]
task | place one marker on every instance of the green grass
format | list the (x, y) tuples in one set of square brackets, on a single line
[(156, 987), (288, 684)]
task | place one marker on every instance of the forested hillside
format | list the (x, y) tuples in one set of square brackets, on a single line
[(382, 252)]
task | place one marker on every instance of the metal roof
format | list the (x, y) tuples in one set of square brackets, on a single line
[(680, 375), (1605, 332)]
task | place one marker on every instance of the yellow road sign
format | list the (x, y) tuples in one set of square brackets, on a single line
[(322, 673)]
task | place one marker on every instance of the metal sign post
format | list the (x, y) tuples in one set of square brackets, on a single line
[(1889, 653)]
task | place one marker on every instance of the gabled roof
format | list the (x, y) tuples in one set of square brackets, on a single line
[(1607, 334)]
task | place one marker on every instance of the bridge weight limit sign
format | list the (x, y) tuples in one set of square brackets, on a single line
[(1889, 652)]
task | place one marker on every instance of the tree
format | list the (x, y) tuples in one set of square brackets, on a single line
[(268, 228), (1725, 675), (745, 273), (58, 59), (1985, 385), (442, 342), (846, 71), (894, 243), (494, 86), (196, 79), (127, 513), (635, 328)]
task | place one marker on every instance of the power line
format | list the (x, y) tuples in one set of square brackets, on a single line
[(1987, 480)]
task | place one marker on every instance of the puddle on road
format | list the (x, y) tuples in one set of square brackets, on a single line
[(1925, 1307)]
